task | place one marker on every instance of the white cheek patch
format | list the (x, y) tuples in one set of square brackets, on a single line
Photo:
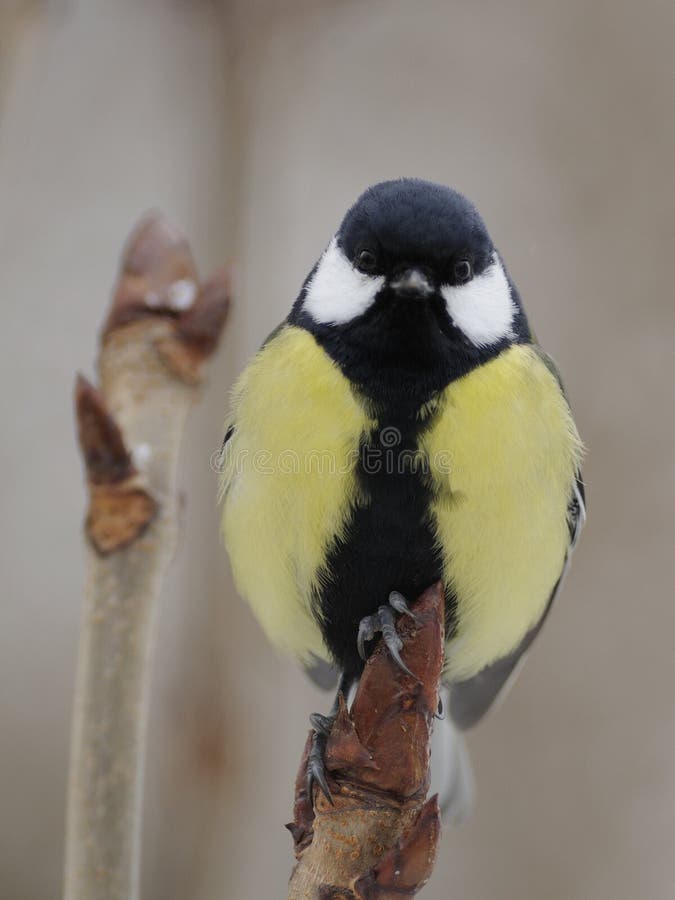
[(483, 308), (337, 291)]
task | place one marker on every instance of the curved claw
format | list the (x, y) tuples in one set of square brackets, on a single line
[(388, 628), (396, 656), (398, 602), (322, 726), (383, 621), (367, 628), (316, 769)]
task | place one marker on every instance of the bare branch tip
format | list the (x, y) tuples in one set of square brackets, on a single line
[(152, 239), (158, 275), (203, 322), (197, 330)]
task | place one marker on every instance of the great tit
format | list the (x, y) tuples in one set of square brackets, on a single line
[(400, 427)]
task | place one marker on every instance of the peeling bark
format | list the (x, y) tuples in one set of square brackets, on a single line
[(379, 838), (162, 327)]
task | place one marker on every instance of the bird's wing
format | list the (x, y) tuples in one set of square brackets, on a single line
[(576, 513), (471, 698), (323, 673)]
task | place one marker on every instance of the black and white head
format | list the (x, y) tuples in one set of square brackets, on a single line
[(411, 287)]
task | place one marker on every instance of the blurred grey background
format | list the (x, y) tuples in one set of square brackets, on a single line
[(254, 124)]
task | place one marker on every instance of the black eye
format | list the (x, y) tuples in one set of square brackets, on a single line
[(366, 261), (463, 270)]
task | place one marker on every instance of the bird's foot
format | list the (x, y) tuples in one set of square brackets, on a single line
[(316, 767), (383, 621), (322, 726)]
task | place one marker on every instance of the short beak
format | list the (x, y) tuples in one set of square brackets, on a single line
[(413, 284)]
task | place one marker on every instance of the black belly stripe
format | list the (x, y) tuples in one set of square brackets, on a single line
[(388, 545)]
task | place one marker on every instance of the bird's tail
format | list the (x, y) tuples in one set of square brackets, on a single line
[(451, 771)]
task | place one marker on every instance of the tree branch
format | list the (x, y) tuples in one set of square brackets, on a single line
[(379, 839), (161, 329)]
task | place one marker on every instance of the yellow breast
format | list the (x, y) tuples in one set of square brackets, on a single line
[(503, 451), (289, 481)]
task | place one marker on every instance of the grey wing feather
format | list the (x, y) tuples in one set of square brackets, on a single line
[(470, 699), (323, 674), (576, 515), (228, 435)]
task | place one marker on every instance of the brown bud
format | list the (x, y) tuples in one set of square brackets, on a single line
[(345, 751), (105, 456), (197, 330), (119, 506)]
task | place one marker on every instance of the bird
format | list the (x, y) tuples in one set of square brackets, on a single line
[(402, 426)]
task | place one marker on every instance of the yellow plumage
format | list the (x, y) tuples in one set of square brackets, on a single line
[(502, 450), (513, 452), (289, 481)]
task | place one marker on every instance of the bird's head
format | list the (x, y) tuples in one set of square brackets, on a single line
[(411, 281)]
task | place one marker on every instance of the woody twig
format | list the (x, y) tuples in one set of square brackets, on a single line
[(162, 327), (379, 838)]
